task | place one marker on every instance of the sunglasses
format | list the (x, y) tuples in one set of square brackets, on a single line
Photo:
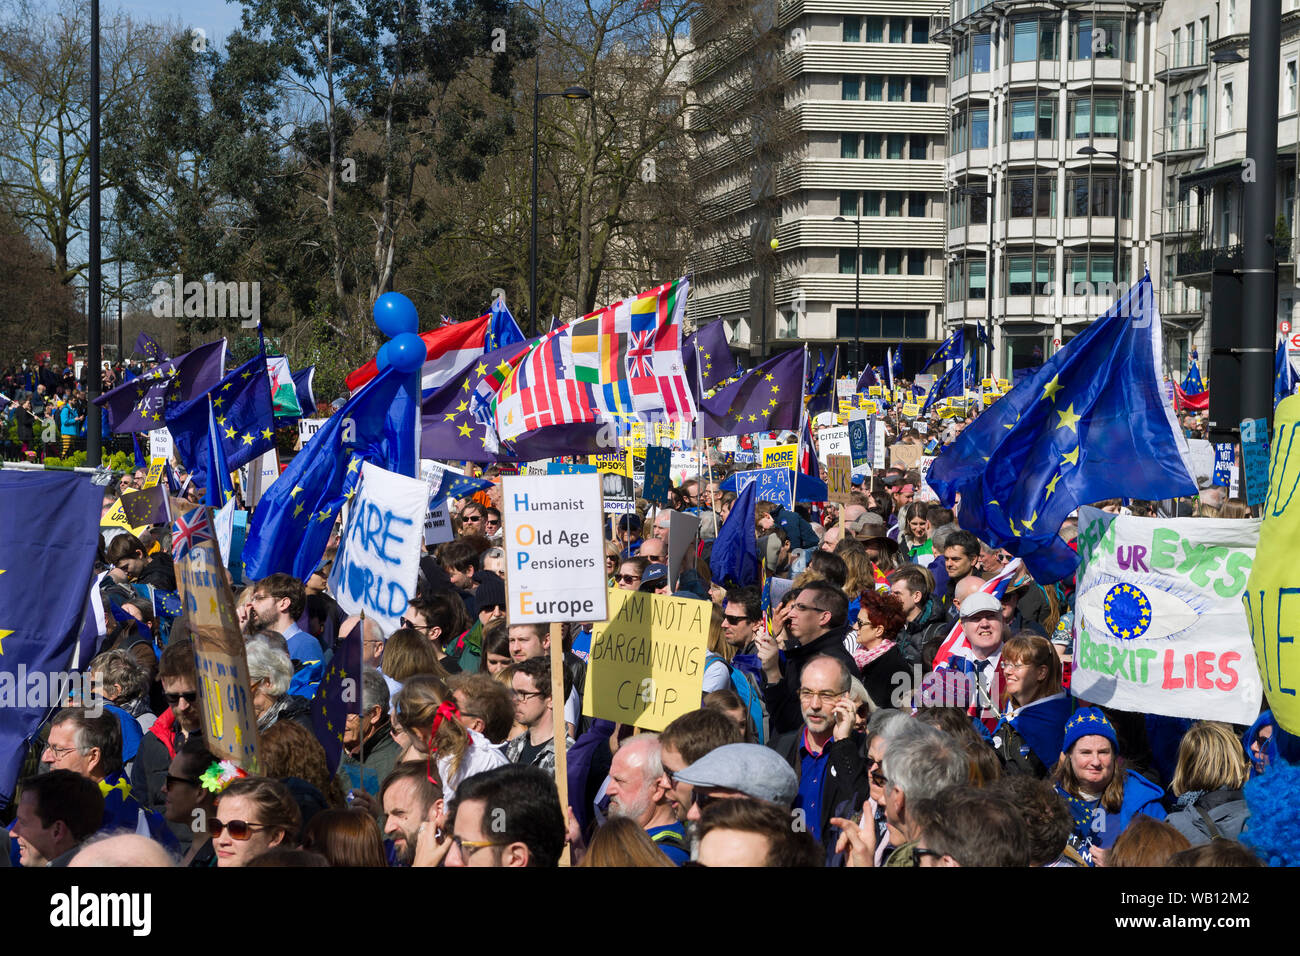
[(173, 781), (407, 622), (735, 618), (628, 578), (190, 697), (239, 829)]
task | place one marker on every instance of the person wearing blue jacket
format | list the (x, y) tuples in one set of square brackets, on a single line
[(1103, 796)]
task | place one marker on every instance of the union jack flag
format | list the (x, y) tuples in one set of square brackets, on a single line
[(188, 530), (640, 354)]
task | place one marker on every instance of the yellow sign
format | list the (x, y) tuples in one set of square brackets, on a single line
[(911, 411), (116, 517), (781, 456), (870, 406), (647, 661), (986, 383), (952, 412), (1271, 601), (875, 391), (839, 469), (155, 472), (617, 463), (1004, 384)]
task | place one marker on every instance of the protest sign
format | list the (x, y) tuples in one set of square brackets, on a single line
[(555, 548), (160, 444), (618, 492), (871, 407), (614, 463), (570, 468), (878, 444), (1225, 458), (682, 465), (921, 426), (832, 441), (437, 525), (1201, 455), (875, 391), (859, 441), (1159, 624), (225, 696), (378, 561), (306, 428), (1254, 458), (657, 484), (925, 492), (773, 485), (904, 456), (910, 410), (781, 456), (838, 471), (258, 476), (746, 456), (155, 472), (845, 387), (1272, 601), (647, 661), (682, 531)]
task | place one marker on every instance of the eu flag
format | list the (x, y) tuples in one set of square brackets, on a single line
[(950, 385), (1192, 383), (49, 533), (953, 348), (456, 420), (867, 378), (302, 380), (147, 345), (707, 357), (243, 415), (821, 397), (1091, 423), (148, 506), (768, 397), (138, 405), (897, 361), (734, 559), (338, 696), (1284, 376), (292, 522)]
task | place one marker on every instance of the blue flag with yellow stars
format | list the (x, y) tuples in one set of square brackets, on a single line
[(291, 524), (148, 506), (657, 483), (1284, 376), (49, 533), (1192, 383), (707, 358), (821, 396), (242, 412), (768, 397), (950, 385), (951, 350), (338, 696), (896, 360), (867, 378), (452, 485), (456, 420), (1091, 423), (139, 405), (147, 345)]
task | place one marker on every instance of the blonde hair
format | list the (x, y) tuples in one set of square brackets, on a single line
[(717, 643), (622, 842), (1210, 758), (860, 575), (416, 705)]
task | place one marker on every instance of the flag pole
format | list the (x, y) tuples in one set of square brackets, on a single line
[(803, 419)]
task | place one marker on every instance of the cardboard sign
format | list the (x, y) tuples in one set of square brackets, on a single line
[(683, 465), (437, 526), (925, 492), (904, 456), (1159, 623), (781, 456), (1254, 455), (647, 661), (555, 548), (682, 532), (657, 482), (225, 695), (308, 427), (378, 561), (839, 469), (160, 444), (773, 485), (832, 441)]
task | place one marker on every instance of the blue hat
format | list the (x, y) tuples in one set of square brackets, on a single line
[(1086, 722), (859, 479)]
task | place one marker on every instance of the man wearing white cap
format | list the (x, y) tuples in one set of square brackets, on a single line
[(985, 630)]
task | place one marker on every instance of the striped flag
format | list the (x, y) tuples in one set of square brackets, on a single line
[(955, 644)]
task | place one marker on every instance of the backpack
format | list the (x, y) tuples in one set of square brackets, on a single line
[(751, 697)]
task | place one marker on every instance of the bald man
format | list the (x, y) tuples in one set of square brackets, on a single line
[(125, 849)]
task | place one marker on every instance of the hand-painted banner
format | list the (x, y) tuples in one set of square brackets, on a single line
[(1159, 626), (378, 561), (773, 484)]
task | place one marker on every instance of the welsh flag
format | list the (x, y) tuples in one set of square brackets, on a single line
[(284, 394)]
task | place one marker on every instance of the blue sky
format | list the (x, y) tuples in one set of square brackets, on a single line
[(216, 18)]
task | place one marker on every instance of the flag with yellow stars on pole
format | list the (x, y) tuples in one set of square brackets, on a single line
[(49, 533), (243, 415), (456, 421), (769, 397), (140, 405), (707, 357), (1092, 423), (338, 697)]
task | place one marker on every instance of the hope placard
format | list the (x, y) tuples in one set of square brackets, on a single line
[(1159, 623), (555, 548), (647, 661), (378, 563)]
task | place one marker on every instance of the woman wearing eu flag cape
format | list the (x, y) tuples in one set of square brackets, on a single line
[(1029, 737)]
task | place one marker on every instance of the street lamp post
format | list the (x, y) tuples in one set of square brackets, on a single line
[(857, 290), (1091, 151), (571, 93)]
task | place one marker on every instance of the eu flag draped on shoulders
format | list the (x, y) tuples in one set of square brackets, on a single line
[(1091, 423), (953, 348), (767, 397), (240, 410), (49, 533), (292, 522)]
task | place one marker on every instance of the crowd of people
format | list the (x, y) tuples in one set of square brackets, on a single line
[(826, 734), (43, 410)]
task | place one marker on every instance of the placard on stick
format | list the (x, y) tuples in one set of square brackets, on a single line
[(839, 469)]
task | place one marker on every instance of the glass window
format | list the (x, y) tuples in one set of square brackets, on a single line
[(1081, 39), (960, 57), (979, 208), (871, 262), (897, 89), (848, 145), (916, 262), (1227, 106), (917, 205), (875, 88), (1022, 118), (1103, 270), (956, 290), (1078, 268), (1045, 195), (875, 29), (1106, 120), (975, 285), (1128, 121), (1107, 38), (1024, 41), (897, 30), (1049, 30), (1077, 188), (920, 89), (896, 145), (874, 143), (1130, 40), (847, 263), (1020, 275), (979, 128), (1047, 118), (850, 88), (848, 202), (919, 147), (1081, 117), (1289, 103), (893, 203), (1020, 196), (980, 53), (960, 132), (920, 30), (893, 262), (852, 29), (871, 202), (1044, 271)]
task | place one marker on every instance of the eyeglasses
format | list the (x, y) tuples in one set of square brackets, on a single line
[(190, 697), (491, 520), (473, 846), (59, 751), (407, 622), (492, 607), (878, 778), (525, 694), (825, 696), (735, 618), (468, 518), (173, 781), (807, 607), (239, 829), (918, 852), (628, 578)]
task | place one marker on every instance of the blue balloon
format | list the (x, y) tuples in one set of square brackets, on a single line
[(395, 314), (382, 360), (407, 352)]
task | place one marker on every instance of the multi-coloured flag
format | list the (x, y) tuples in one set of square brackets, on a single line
[(140, 404), (456, 422), (284, 394), (768, 397), (621, 364), (189, 529)]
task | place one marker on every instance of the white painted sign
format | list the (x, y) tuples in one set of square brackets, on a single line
[(160, 444), (832, 441), (437, 525), (308, 427)]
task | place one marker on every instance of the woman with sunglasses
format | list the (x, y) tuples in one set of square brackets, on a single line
[(630, 573), (253, 815)]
